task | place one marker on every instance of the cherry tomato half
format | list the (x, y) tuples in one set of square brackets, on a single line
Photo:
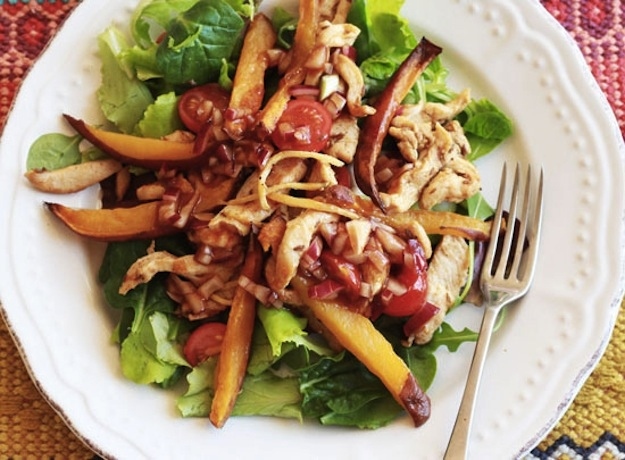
[(195, 106), (304, 125), (204, 342), (413, 277)]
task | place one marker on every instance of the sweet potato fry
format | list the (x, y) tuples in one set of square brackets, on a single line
[(444, 223), (138, 151), (360, 337), (433, 222), (248, 87), (235, 348), (303, 44), (276, 105), (375, 127), (118, 224), (306, 32), (73, 178)]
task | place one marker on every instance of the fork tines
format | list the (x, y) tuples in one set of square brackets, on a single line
[(517, 239)]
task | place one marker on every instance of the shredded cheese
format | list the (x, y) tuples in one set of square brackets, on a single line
[(316, 205), (264, 173), (305, 186)]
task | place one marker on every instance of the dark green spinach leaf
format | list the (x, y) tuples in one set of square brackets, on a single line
[(198, 41)]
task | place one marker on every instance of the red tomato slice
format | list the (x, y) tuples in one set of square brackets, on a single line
[(406, 304), (304, 125), (195, 106), (204, 342)]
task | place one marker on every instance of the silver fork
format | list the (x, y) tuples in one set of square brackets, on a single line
[(507, 273)]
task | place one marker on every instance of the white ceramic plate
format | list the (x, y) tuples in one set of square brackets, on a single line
[(512, 52)]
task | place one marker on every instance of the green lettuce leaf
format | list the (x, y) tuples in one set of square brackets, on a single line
[(341, 391), (151, 18), (282, 326), (264, 394), (54, 151), (269, 395), (198, 41), (148, 354), (160, 118), (143, 299), (280, 336), (196, 402), (383, 30), (448, 337), (148, 330), (246, 8), (123, 98), (384, 43), (285, 24), (486, 126)]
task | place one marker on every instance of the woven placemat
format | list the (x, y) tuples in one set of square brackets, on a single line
[(593, 427), (29, 427)]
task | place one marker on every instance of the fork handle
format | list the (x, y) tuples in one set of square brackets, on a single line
[(458, 447)]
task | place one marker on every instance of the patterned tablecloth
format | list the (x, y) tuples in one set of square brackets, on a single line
[(593, 427)]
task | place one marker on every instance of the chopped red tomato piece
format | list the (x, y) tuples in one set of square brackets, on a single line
[(407, 295), (204, 342), (195, 106), (304, 125)]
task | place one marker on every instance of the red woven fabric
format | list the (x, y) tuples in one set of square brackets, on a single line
[(18, 48), (597, 27)]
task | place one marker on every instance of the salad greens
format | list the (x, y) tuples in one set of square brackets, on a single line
[(54, 151), (122, 97), (291, 373), (198, 42)]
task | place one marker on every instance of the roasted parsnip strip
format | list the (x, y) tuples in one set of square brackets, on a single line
[(248, 87), (235, 350), (433, 222), (303, 43), (443, 223), (360, 337), (375, 127), (306, 33), (139, 151), (73, 178), (118, 224)]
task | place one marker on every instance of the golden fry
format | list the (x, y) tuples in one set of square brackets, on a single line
[(248, 87), (119, 224), (139, 151), (303, 44), (444, 223), (360, 337), (236, 345)]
